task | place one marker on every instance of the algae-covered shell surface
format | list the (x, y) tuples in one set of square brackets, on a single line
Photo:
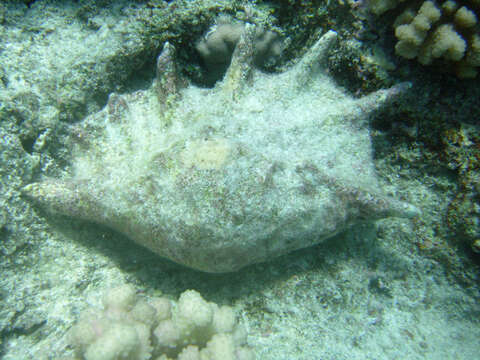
[(216, 179)]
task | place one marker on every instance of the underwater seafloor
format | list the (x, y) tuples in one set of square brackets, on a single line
[(396, 289)]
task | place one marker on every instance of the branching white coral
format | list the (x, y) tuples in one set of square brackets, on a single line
[(437, 31)]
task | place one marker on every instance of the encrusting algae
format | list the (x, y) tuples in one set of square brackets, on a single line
[(216, 179)]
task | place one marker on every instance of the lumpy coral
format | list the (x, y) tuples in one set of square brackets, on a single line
[(216, 47), (438, 31), (130, 328)]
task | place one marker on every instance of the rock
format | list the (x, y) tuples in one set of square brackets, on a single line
[(216, 179)]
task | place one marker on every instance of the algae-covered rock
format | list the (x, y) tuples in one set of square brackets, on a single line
[(220, 178)]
